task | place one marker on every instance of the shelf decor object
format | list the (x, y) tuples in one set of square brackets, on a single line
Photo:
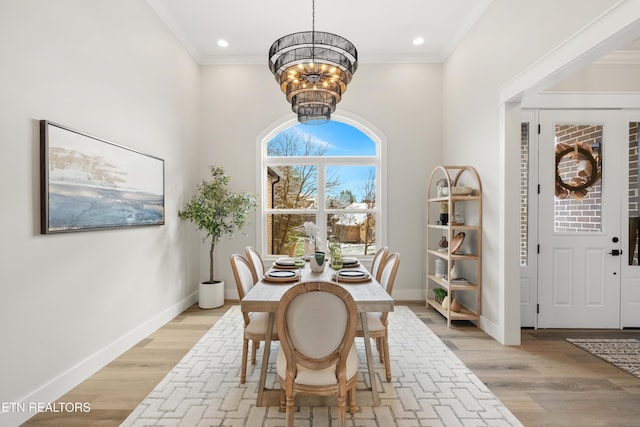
[(313, 69), (455, 186)]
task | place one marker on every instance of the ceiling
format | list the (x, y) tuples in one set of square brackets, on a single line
[(382, 31)]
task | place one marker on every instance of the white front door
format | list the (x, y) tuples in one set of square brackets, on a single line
[(580, 239)]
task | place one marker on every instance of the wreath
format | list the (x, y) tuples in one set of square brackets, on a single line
[(588, 170)]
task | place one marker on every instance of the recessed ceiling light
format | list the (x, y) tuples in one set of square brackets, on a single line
[(223, 43), (418, 41)]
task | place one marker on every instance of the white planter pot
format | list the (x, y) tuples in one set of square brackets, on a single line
[(211, 295)]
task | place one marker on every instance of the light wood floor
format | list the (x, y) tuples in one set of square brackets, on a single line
[(544, 382)]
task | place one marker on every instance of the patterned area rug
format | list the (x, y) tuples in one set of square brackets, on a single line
[(430, 386), (623, 353)]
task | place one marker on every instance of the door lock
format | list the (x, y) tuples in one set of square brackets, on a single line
[(615, 252)]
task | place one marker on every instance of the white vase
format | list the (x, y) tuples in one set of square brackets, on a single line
[(309, 247), (211, 295), (317, 262), (445, 302), (441, 267)]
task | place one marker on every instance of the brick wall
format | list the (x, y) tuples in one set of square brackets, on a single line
[(573, 215)]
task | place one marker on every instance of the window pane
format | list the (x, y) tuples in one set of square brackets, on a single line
[(284, 231), (578, 150), (292, 187), (524, 192), (351, 187), (634, 211), (355, 232), (331, 139)]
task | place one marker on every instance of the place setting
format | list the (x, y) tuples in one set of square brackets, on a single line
[(350, 262), (281, 276), (285, 270), (351, 276), (285, 263)]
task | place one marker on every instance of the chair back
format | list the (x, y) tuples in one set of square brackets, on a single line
[(243, 276), (388, 275), (316, 327), (378, 260), (255, 260)]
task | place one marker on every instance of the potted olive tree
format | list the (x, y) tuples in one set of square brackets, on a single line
[(219, 212)]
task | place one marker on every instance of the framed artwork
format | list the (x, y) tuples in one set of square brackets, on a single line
[(87, 183)]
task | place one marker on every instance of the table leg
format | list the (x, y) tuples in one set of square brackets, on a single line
[(367, 349), (265, 358)]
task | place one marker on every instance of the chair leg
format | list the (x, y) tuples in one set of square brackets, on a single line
[(283, 400), (254, 350), (352, 399), (387, 361), (379, 347), (290, 409), (342, 415), (243, 369)]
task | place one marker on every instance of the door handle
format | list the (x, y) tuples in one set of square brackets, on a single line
[(615, 252)]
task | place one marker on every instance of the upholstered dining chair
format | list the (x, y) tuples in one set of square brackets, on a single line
[(378, 260), (255, 324), (317, 355), (256, 263), (376, 321)]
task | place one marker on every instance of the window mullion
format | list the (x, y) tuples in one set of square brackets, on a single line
[(321, 222)]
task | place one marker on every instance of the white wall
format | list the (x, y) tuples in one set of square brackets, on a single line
[(71, 302), (474, 74), (602, 78), (402, 101)]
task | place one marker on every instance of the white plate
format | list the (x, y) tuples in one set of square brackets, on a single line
[(282, 273), (284, 263), (352, 276), (281, 276), (350, 262), (351, 273)]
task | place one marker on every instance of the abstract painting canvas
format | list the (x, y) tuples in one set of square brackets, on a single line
[(90, 184)]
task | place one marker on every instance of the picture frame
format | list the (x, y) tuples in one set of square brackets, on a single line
[(87, 183)]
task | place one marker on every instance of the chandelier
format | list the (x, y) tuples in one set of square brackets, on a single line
[(313, 69)]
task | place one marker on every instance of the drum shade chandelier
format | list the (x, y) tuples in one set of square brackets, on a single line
[(313, 69)]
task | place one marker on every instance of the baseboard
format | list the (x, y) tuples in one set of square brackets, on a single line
[(491, 329), (26, 407)]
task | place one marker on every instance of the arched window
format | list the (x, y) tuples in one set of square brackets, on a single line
[(329, 175)]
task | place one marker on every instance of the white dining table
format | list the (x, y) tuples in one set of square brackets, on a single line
[(369, 296)]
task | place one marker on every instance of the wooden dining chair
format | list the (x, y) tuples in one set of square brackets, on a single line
[(256, 263), (255, 324), (378, 260), (317, 355), (377, 322)]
